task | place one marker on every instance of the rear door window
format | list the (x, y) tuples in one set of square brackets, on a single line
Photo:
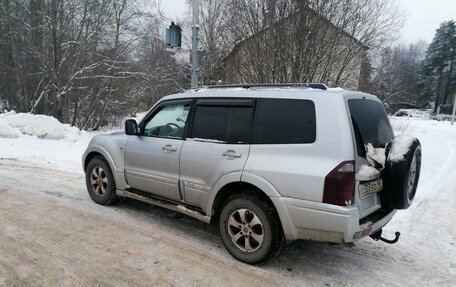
[(370, 123), (285, 121), (240, 125), (226, 124)]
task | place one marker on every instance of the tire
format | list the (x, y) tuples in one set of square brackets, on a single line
[(100, 182), (400, 179), (264, 238)]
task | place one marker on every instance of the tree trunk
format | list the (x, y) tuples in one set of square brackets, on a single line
[(448, 83), (439, 90)]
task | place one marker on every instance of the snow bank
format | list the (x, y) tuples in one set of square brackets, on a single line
[(6, 131), (14, 125), (401, 146), (42, 140), (45, 141)]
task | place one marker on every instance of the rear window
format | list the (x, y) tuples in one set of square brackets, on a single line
[(285, 121), (370, 123)]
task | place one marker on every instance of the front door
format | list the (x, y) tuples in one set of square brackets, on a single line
[(152, 158)]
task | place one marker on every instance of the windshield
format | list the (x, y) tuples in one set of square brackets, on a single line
[(370, 123)]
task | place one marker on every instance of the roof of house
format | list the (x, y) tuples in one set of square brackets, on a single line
[(307, 9)]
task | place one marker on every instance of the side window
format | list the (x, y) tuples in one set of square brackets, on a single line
[(223, 123), (240, 125), (285, 121), (169, 121), (211, 123)]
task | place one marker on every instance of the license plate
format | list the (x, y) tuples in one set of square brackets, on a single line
[(370, 187)]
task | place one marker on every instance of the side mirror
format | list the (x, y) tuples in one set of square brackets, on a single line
[(131, 127)]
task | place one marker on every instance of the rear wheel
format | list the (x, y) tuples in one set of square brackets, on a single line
[(250, 229), (100, 181)]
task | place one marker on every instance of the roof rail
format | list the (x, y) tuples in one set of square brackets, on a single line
[(290, 85)]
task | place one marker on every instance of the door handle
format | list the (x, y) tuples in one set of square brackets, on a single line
[(231, 154), (169, 148)]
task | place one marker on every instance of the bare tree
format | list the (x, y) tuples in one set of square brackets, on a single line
[(396, 74), (77, 60), (304, 41)]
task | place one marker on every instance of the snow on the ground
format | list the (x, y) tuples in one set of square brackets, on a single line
[(429, 231)]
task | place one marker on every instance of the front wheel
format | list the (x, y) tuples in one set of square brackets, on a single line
[(250, 229), (100, 182)]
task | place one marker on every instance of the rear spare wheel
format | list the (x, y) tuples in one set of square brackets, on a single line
[(401, 175)]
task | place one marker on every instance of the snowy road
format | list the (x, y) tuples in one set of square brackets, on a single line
[(51, 234)]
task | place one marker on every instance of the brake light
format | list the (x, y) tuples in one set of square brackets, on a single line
[(339, 185)]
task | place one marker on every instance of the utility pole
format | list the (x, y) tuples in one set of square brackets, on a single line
[(454, 110), (195, 29)]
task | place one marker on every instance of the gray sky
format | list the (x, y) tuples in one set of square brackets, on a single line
[(422, 16), (173, 8)]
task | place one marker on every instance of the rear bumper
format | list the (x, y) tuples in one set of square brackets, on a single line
[(303, 219)]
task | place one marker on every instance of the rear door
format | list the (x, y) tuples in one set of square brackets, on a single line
[(218, 145), (370, 126), (284, 150)]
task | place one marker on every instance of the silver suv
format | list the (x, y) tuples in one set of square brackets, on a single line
[(265, 163)]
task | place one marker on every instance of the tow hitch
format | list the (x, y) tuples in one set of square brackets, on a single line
[(378, 236)]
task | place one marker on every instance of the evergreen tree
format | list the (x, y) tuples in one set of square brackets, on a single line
[(438, 70)]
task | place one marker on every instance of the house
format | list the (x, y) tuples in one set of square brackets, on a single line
[(303, 47)]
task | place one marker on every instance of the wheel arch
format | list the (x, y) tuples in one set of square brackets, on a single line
[(231, 189), (90, 156), (258, 185), (98, 151), (116, 171)]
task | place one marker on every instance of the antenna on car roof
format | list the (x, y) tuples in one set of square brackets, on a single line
[(290, 85)]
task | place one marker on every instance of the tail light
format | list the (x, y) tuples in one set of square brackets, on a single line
[(339, 186)]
